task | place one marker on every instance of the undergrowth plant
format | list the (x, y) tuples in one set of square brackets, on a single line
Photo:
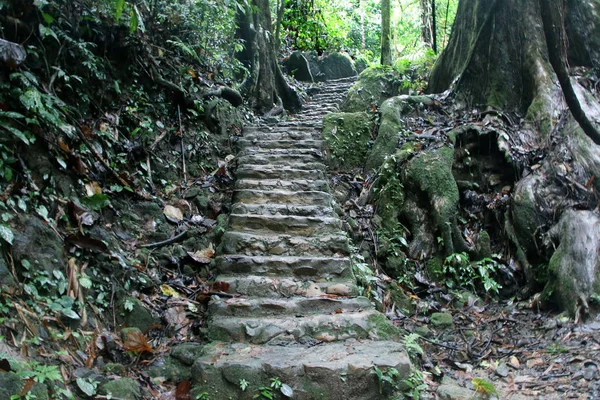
[(474, 276)]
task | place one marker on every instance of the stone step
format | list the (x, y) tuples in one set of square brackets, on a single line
[(333, 371), (302, 161), (283, 144), (279, 184), (295, 306), (248, 244), (358, 325), (282, 163), (277, 128), (283, 173), (283, 286), (290, 224), (283, 209), (305, 198), (288, 151), (301, 267), (289, 134)]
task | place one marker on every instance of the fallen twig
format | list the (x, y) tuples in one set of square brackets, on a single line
[(167, 242), (182, 145)]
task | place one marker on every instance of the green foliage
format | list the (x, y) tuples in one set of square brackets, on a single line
[(415, 385), (472, 276), (386, 377), (484, 386), (413, 348)]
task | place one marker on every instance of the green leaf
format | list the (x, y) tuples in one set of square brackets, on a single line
[(85, 281), (70, 313), (45, 32), (11, 114), (86, 386), (120, 6), (6, 234), (17, 133), (97, 201)]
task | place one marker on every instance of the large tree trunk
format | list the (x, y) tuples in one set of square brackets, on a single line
[(515, 55), (265, 86), (426, 25), (386, 45)]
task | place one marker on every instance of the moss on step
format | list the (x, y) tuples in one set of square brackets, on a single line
[(346, 138)]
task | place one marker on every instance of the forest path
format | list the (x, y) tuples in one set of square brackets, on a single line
[(296, 314)]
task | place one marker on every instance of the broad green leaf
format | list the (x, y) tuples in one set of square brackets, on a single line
[(120, 6), (85, 281), (17, 133), (67, 312), (6, 234), (11, 114), (86, 387)]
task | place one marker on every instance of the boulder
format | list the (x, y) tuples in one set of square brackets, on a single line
[(374, 86), (331, 66), (298, 66)]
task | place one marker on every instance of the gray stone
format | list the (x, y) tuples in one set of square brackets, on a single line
[(124, 389), (139, 317), (450, 390), (6, 278), (12, 384), (298, 67), (37, 243)]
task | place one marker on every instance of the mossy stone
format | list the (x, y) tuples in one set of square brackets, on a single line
[(138, 317), (400, 298), (483, 247), (346, 138), (395, 266), (115, 369), (124, 388), (441, 320), (383, 327), (423, 331), (375, 85), (187, 353), (12, 384)]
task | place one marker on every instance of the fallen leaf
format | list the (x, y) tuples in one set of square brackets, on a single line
[(92, 188), (84, 242), (173, 214), (202, 256), (183, 391), (169, 291), (514, 362), (135, 341), (176, 316), (220, 287)]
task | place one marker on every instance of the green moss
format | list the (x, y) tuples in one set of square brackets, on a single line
[(346, 138), (375, 85), (124, 388), (435, 268), (431, 172), (392, 127), (384, 328), (441, 320)]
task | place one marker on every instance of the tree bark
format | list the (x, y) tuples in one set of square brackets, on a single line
[(426, 28), (386, 45), (555, 37), (265, 86)]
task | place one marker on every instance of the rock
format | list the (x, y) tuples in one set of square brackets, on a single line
[(187, 353), (423, 331), (138, 317), (441, 320), (450, 390), (38, 244), (12, 384), (465, 299), (332, 66), (361, 63), (483, 247), (400, 298), (374, 86), (346, 139), (124, 389), (574, 269), (12, 54), (395, 266), (6, 278), (299, 68)]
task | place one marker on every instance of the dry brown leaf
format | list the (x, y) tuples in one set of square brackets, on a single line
[(92, 188), (183, 391), (135, 341), (202, 256)]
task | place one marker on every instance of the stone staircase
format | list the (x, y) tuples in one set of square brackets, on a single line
[(296, 313)]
